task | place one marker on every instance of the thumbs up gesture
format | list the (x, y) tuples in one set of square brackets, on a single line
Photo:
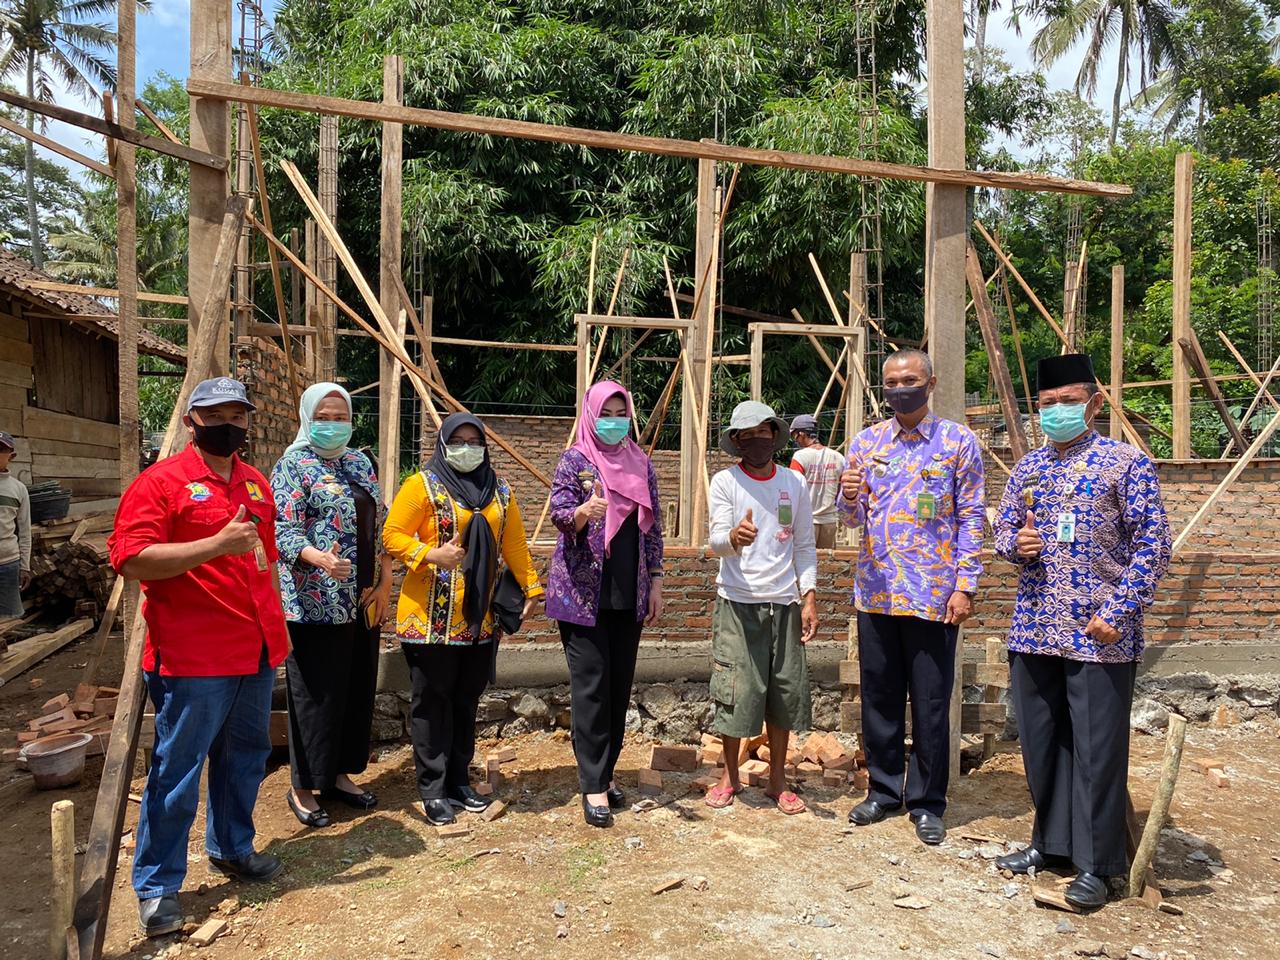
[(744, 534), (238, 536), (596, 506), (1029, 543), (851, 481), (335, 565), (449, 556)]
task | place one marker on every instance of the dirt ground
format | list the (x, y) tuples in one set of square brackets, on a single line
[(538, 881)]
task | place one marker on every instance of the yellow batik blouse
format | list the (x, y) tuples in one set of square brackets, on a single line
[(425, 516)]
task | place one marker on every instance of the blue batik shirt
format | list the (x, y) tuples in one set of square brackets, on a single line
[(1106, 540)]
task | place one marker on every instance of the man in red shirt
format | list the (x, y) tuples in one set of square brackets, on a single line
[(198, 530)]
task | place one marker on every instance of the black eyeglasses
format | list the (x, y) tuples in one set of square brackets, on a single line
[(466, 443)]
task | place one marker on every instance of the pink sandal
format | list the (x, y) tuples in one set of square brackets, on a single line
[(720, 797), (788, 802)]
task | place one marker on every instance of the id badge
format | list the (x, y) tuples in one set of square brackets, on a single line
[(1066, 528), (926, 506), (260, 555)]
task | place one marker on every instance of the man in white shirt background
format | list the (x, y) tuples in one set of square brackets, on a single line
[(821, 468), (15, 534)]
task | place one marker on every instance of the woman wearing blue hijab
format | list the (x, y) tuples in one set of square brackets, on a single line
[(335, 584)]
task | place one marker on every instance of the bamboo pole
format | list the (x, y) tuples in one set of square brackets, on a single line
[(1175, 736)]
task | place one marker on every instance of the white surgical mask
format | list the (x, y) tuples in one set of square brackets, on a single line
[(463, 457)]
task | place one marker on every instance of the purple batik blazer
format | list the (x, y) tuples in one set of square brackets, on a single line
[(573, 581)]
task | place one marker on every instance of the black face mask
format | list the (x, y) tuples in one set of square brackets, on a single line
[(756, 452), (220, 440), (906, 400)]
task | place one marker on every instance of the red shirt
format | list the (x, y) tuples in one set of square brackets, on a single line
[(214, 619)]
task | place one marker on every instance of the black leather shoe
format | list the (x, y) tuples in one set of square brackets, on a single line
[(596, 816), (869, 812), (929, 828), (1023, 860), (617, 799), (364, 800), (464, 798), (160, 915), (439, 812), (308, 818), (259, 867), (1086, 892)]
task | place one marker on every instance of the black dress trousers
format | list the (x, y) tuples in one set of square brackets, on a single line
[(1073, 724), (447, 681), (900, 656), (331, 677)]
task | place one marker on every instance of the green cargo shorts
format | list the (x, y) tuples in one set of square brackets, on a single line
[(759, 672)]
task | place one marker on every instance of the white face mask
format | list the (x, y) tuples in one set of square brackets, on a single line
[(463, 457)]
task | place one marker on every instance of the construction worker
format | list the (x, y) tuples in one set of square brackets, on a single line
[(821, 468), (15, 533)]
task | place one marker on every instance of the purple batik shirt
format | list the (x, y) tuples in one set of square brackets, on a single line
[(577, 566)]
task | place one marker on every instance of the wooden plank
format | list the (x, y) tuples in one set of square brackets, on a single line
[(15, 328), (108, 293), (390, 266), (16, 374), (16, 351), (86, 121), (606, 140), (50, 465), (12, 400), (987, 674), (56, 147), (995, 353), (25, 655), (155, 119), (1116, 394), (1182, 185), (1190, 347), (61, 426)]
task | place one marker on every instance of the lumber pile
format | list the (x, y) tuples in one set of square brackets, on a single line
[(819, 758), (70, 567), (25, 654), (86, 709)]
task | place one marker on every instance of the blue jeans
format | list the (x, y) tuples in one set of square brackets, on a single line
[(10, 595), (226, 719)]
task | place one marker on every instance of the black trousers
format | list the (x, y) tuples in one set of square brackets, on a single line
[(1073, 724), (331, 675), (901, 656), (602, 664), (447, 682)]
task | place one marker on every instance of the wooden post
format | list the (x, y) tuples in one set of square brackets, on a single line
[(946, 225), (296, 313), (390, 264), (327, 263), (1182, 184), (995, 354), (1174, 738), (757, 364), (700, 319), (63, 900), (1117, 348), (855, 413), (211, 133), (311, 305)]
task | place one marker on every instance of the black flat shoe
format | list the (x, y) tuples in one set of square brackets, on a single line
[(617, 799), (1086, 892), (439, 812), (1023, 860), (869, 812), (929, 828), (160, 915), (596, 816), (258, 867), (361, 801), (465, 798), (308, 818)]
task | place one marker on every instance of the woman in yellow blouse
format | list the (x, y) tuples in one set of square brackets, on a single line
[(444, 618)]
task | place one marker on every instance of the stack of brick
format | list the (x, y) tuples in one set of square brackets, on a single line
[(88, 709), (820, 758)]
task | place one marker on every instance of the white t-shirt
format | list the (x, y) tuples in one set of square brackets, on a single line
[(821, 468), (782, 565)]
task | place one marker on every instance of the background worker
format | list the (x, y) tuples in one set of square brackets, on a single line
[(15, 533), (821, 468)]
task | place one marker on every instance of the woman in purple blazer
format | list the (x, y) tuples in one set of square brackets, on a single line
[(605, 582)]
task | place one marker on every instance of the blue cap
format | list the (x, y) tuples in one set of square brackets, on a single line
[(805, 423), (210, 393), (6, 440)]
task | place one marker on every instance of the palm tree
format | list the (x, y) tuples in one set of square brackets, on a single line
[(1141, 26), (48, 42)]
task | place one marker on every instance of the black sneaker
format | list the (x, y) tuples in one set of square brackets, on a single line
[(257, 867), (464, 798), (160, 915), (439, 812)]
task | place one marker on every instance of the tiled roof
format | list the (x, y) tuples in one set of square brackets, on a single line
[(17, 272)]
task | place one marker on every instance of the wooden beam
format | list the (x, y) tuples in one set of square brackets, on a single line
[(155, 119), (48, 144), (660, 146), (699, 318), (106, 128), (506, 345), (422, 328), (1190, 346), (1117, 347), (127, 251), (24, 656), (109, 293), (390, 265), (855, 415), (1182, 185), (1257, 381), (1262, 391), (995, 354)]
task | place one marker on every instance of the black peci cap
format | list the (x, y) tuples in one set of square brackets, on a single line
[(1063, 371)]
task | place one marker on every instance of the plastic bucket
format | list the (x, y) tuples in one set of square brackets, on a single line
[(57, 761)]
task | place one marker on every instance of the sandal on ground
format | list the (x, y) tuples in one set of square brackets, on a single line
[(788, 802), (720, 797), (308, 818)]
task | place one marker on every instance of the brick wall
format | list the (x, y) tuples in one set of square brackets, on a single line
[(260, 365)]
